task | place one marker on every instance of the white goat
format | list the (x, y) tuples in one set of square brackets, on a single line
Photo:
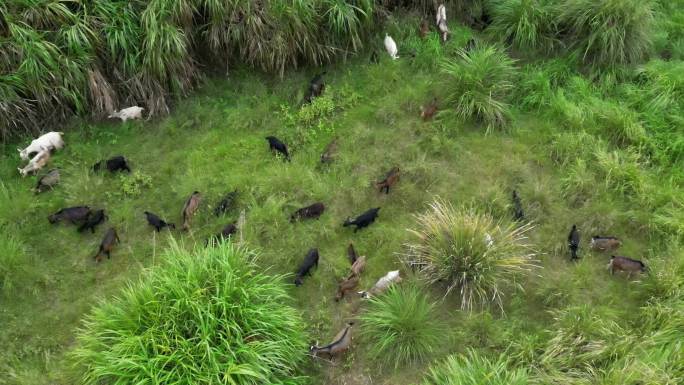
[(134, 112), (50, 141), (391, 47), (382, 284), (442, 22), (38, 162)]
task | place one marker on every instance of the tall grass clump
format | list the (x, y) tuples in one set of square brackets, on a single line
[(479, 83), (473, 368), (607, 33), (527, 24), (470, 253), (401, 326), (209, 316)]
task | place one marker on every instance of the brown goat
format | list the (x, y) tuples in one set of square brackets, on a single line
[(190, 207), (351, 253), (328, 155), (389, 181), (599, 243), (108, 242), (340, 343), (424, 29), (347, 285), (428, 111), (358, 266), (629, 265)]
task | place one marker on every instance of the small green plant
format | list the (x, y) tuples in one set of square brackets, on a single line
[(473, 368), (479, 83), (470, 253), (401, 326), (210, 316), (132, 185)]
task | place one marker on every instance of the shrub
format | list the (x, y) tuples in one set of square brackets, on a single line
[(470, 252), (132, 185), (401, 326), (204, 317), (474, 369), (527, 24), (479, 83), (607, 33)]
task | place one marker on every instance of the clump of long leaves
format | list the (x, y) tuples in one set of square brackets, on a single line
[(473, 368), (528, 24), (607, 33), (479, 83), (470, 253), (204, 317), (401, 326)]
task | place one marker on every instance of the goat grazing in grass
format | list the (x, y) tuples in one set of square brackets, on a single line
[(277, 146), (190, 208), (313, 211), (599, 243), (629, 265), (113, 164), (50, 141), (358, 265), (391, 47), (340, 343), (156, 222), (227, 203), (518, 213), (347, 285), (227, 231), (93, 219), (316, 88), (390, 180), (362, 220), (328, 155), (125, 114), (442, 22), (107, 245), (383, 284), (36, 163), (573, 241), (424, 29), (351, 253), (47, 181), (75, 215), (304, 269), (428, 111)]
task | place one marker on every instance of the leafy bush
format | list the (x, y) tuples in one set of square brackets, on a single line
[(527, 24), (470, 252), (479, 83), (474, 369), (205, 317), (607, 33), (401, 326), (132, 185)]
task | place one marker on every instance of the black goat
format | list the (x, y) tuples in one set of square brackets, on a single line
[(157, 222), (316, 88), (304, 269), (93, 219), (227, 231), (518, 213), (573, 241), (312, 211), (114, 164), (276, 145), (108, 242), (363, 220), (71, 214), (227, 203)]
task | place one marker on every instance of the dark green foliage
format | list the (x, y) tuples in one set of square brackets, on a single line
[(401, 326), (527, 24), (205, 317), (475, 369)]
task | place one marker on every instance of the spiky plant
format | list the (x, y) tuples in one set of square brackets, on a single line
[(204, 317), (473, 368), (470, 253), (479, 83), (607, 33), (401, 326), (527, 24)]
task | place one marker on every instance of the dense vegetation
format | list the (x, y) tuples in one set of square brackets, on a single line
[(577, 105)]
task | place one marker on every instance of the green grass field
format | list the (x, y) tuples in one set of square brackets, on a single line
[(563, 152)]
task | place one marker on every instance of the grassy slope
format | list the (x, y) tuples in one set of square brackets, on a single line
[(214, 142)]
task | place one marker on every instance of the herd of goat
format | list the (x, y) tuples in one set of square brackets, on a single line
[(39, 153)]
